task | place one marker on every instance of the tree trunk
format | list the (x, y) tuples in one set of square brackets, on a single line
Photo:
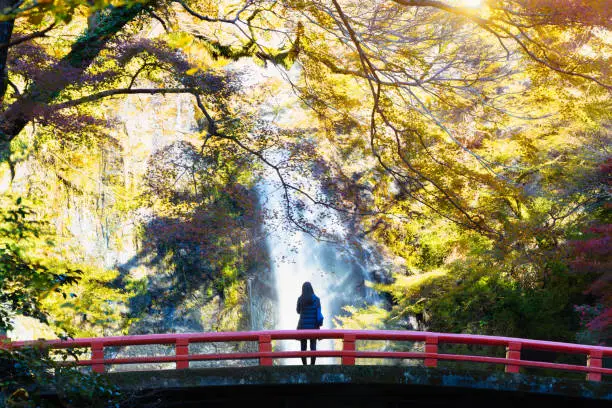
[(6, 30)]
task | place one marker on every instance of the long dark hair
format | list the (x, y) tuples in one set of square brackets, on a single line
[(307, 294)]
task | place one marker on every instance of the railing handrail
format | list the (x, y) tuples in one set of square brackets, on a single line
[(348, 354), (397, 335)]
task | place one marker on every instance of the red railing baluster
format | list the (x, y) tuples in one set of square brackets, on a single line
[(431, 346), (594, 360), (97, 353), (513, 351), (512, 362), (348, 347), (181, 348), (265, 346)]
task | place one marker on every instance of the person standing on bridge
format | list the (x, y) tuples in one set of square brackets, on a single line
[(309, 309)]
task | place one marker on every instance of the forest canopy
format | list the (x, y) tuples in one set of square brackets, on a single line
[(469, 139)]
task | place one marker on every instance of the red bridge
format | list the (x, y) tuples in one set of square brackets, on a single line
[(349, 353)]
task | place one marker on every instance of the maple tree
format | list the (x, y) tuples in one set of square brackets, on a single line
[(591, 254), (475, 51), (24, 281)]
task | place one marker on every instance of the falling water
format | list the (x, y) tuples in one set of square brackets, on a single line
[(337, 272)]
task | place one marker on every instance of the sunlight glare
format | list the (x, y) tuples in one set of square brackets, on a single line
[(471, 3)]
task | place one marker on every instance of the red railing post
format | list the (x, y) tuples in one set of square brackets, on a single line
[(431, 346), (594, 360), (181, 348), (593, 371), (348, 347), (513, 351), (97, 353), (265, 346)]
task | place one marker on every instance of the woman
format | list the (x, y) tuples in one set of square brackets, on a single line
[(309, 308)]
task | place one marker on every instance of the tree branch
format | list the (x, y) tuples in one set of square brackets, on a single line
[(80, 57), (491, 27), (25, 38), (123, 91), (206, 18)]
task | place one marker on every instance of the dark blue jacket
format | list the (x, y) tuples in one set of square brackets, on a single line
[(308, 313)]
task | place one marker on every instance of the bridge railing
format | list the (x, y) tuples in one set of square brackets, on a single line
[(349, 353)]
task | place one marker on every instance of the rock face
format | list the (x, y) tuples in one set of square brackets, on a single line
[(83, 197)]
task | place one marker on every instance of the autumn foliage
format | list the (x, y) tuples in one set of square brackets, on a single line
[(593, 255)]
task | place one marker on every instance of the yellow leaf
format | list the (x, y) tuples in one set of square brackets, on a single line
[(35, 18)]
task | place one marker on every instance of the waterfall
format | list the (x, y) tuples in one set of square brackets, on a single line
[(336, 269)]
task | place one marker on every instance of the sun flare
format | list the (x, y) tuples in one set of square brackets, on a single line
[(471, 3)]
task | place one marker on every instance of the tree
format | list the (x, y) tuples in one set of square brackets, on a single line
[(423, 61), (35, 283), (591, 254), (25, 280), (28, 372)]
